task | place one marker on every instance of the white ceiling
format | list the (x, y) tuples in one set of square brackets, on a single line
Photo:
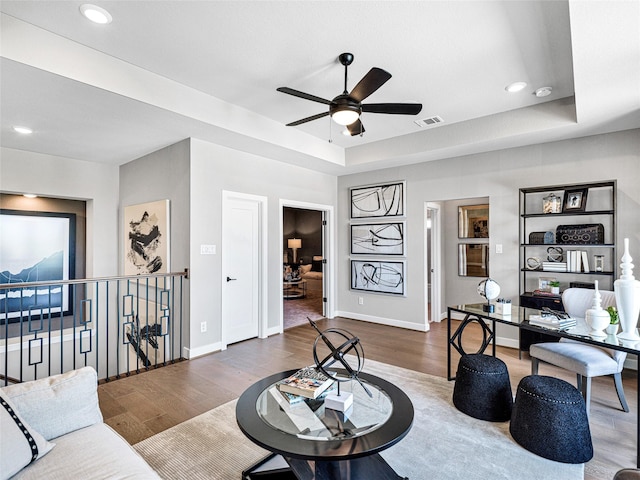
[(163, 71)]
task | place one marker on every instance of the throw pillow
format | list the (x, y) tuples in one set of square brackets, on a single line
[(305, 269), (72, 395), (19, 443)]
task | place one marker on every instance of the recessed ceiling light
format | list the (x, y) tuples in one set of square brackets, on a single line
[(29, 195), (543, 91), (96, 14), (515, 87), (23, 130)]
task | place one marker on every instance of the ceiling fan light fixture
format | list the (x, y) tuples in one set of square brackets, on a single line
[(345, 116)]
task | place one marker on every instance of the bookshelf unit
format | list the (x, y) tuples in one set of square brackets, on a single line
[(598, 206)]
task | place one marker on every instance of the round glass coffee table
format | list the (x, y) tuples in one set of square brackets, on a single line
[(322, 443)]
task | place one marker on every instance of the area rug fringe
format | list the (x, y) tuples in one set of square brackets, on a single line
[(442, 444)]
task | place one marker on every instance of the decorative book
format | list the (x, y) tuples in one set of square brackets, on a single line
[(296, 399), (308, 382)]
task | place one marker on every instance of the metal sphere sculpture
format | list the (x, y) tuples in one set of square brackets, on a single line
[(347, 343)]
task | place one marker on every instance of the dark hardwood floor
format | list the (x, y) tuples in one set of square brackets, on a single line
[(142, 405)]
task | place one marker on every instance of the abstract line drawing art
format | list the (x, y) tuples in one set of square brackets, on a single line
[(381, 277), (36, 247), (378, 201), (377, 239), (146, 231)]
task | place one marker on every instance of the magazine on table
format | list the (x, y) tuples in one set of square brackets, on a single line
[(308, 382)]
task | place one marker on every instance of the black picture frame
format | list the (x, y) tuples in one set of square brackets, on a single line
[(575, 200), (378, 238), (58, 239), (383, 200), (378, 276)]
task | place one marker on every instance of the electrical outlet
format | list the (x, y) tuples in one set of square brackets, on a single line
[(498, 248), (360, 301), (203, 327)]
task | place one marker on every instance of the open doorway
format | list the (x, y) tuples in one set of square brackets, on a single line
[(303, 265)]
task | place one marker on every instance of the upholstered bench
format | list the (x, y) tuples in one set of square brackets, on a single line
[(549, 418), (482, 389)]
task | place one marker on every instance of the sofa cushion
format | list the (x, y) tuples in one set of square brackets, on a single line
[(92, 453), (58, 404), (20, 444)]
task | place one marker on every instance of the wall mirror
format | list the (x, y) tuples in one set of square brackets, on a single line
[(473, 259), (473, 221)]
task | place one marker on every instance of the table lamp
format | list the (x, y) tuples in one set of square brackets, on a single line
[(294, 244)]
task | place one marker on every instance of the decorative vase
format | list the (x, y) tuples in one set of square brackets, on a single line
[(612, 329), (596, 317), (627, 290)]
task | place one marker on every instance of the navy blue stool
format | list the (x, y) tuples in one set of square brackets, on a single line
[(483, 389), (549, 418)]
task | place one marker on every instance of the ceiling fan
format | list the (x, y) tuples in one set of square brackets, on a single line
[(345, 109)]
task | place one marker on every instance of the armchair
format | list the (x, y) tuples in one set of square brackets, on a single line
[(587, 361)]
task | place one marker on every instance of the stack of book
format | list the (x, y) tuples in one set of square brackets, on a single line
[(308, 382), (552, 322), (554, 266)]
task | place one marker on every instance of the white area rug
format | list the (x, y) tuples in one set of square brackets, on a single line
[(442, 444)]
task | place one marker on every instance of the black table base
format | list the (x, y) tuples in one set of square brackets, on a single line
[(372, 466)]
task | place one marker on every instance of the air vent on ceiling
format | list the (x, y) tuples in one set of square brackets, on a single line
[(429, 122)]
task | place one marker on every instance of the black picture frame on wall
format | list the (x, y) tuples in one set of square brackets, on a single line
[(575, 200), (36, 247)]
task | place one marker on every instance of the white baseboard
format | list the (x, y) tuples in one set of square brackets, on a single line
[(392, 322), (192, 353), (273, 331)]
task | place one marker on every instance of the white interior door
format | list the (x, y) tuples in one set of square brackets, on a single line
[(240, 269)]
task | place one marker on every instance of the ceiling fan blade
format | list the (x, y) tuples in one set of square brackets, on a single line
[(308, 119), (393, 108), (356, 128), (371, 82), (306, 96)]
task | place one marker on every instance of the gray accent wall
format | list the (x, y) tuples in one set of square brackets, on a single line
[(497, 176)]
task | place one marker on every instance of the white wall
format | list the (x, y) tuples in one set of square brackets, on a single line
[(498, 176), (96, 183), (213, 169)]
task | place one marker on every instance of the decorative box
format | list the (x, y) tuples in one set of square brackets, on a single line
[(580, 234), (503, 308)]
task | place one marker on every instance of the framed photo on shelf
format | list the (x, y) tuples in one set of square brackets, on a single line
[(575, 200)]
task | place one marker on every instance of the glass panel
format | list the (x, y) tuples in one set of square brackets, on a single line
[(309, 419)]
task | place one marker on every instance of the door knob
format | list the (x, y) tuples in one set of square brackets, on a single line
[(229, 279)]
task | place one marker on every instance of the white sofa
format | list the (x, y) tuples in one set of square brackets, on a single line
[(61, 416)]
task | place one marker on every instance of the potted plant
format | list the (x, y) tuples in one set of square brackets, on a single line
[(612, 329), (555, 287)]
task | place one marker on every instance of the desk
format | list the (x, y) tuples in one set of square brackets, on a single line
[(318, 443), (519, 318)]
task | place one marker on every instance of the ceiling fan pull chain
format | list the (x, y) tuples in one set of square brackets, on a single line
[(330, 131)]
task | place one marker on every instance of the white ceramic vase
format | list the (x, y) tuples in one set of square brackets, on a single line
[(596, 317), (627, 290)]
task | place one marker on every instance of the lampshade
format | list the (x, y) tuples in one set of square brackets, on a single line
[(294, 243)]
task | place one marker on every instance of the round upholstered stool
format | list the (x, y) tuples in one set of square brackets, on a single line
[(482, 389), (549, 418)]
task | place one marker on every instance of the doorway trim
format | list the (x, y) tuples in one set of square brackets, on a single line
[(434, 262), (328, 252), (262, 256)]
